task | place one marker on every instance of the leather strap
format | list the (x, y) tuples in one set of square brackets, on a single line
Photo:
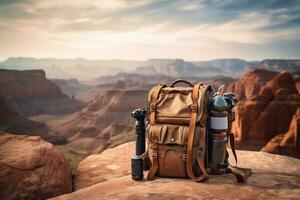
[(153, 101), (190, 149), (241, 174), (232, 146), (154, 165)]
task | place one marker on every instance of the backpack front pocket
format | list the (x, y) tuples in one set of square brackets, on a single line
[(171, 161)]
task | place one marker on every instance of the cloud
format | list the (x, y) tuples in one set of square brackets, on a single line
[(119, 24), (191, 6)]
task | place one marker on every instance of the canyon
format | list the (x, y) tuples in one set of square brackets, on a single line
[(13, 122), (30, 93), (92, 126), (106, 119), (265, 97)]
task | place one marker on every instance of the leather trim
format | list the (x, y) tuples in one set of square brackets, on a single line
[(190, 149)]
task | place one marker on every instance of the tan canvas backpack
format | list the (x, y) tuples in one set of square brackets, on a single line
[(178, 135)]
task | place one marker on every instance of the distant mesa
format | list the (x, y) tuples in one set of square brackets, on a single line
[(30, 93), (84, 69)]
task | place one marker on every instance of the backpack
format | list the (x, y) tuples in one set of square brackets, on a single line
[(179, 139)]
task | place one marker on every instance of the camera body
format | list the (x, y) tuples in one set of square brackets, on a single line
[(137, 159), (140, 115)]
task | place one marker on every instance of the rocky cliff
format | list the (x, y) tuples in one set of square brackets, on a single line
[(30, 93), (13, 122), (106, 176), (268, 102), (289, 142), (250, 83)]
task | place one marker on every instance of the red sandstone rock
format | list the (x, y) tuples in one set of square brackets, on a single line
[(261, 117), (31, 168), (112, 163), (105, 176), (250, 83), (298, 85), (289, 142)]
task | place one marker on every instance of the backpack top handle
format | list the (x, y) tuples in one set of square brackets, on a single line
[(181, 81)]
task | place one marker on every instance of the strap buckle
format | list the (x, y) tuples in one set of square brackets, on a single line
[(154, 154), (152, 107), (185, 147), (199, 152), (194, 107), (184, 157)]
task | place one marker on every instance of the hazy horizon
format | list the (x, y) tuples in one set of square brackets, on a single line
[(135, 60), (139, 30)]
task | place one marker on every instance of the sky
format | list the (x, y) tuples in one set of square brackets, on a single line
[(143, 29)]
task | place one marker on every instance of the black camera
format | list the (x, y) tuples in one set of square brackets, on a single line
[(137, 160), (139, 115)]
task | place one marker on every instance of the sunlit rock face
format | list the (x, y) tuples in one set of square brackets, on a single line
[(268, 101), (31, 168), (107, 176), (289, 142)]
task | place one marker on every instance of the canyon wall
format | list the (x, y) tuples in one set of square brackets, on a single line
[(30, 93), (268, 102), (105, 120)]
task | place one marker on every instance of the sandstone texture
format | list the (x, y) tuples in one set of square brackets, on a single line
[(250, 83), (105, 176), (289, 142), (268, 102), (110, 164), (31, 168), (30, 93)]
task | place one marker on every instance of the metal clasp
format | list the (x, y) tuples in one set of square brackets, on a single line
[(199, 152), (184, 157), (152, 107), (194, 107)]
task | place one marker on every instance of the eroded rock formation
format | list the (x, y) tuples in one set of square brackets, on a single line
[(31, 168), (250, 83), (289, 142), (266, 107)]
